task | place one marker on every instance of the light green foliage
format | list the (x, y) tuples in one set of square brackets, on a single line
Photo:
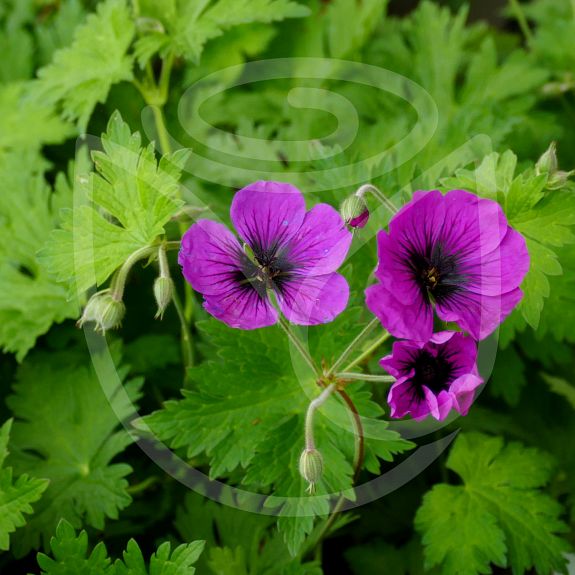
[(30, 301), (71, 557), (259, 428), (27, 123), (16, 494), (191, 24), (436, 49), (121, 207), (58, 30), (499, 515), (67, 431), (545, 219), (80, 75)]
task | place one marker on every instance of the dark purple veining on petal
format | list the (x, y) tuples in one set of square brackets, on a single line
[(287, 250), (451, 254), (433, 377)]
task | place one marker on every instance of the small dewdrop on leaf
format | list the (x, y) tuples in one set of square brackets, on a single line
[(311, 467), (105, 310), (163, 292), (354, 211)]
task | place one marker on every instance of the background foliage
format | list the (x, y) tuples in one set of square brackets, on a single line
[(77, 495)]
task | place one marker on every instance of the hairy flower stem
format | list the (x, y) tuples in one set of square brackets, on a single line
[(367, 353), (119, 281), (163, 262), (312, 408), (357, 466), (284, 324), (358, 340), (377, 194), (155, 94), (365, 377)]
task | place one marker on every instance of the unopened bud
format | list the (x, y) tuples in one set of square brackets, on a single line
[(163, 291), (558, 180), (354, 211), (547, 163), (311, 467), (104, 310)]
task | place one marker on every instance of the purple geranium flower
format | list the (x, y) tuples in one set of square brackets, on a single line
[(433, 377), (454, 252), (286, 250)]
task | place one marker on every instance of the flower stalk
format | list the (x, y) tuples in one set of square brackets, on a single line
[(376, 193)]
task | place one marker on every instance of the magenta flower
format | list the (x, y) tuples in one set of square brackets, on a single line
[(287, 251), (455, 253), (432, 377)]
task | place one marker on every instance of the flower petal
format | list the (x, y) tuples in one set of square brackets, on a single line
[(210, 257), (267, 214), (241, 308), (410, 321), (402, 399), (462, 391), (480, 315), (322, 242), (500, 271), (393, 269), (312, 300), (472, 225), (398, 363)]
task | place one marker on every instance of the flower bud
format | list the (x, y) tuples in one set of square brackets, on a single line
[(558, 180), (547, 163), (163, 291), (105, 310), (354, 211), (311, 467)]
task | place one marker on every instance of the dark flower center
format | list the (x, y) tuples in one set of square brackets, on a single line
[(437, 272), (433, 372), (267, 269)]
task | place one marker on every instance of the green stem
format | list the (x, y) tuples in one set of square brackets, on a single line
[(522, 21), (358, 464), (173, 245), (367, 352), (119, 281), (365, 377), (143, 485), (163, 262), (187, 347), (352, 346), (161, 130), (375, 192), (314, 405), (284, 324)]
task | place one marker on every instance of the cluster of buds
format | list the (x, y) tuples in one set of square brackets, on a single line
[(106, 308), (547, 164)]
